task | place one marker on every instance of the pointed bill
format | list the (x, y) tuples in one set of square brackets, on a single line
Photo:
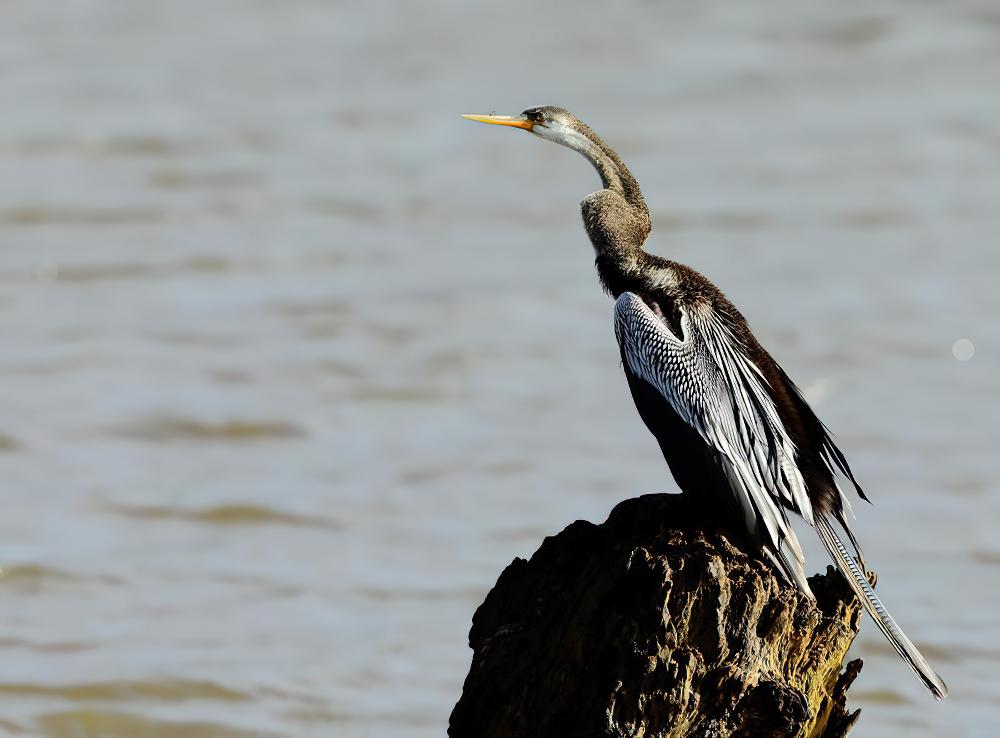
[(517, 121)]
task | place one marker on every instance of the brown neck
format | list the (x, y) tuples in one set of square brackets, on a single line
[(616, 218), (614, 174)]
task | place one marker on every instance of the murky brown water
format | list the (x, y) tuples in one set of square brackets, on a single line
[(295, 360)]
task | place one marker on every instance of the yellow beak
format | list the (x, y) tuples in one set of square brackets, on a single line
[(503, 120)]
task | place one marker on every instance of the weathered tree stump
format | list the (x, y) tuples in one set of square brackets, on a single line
[(655, 624)]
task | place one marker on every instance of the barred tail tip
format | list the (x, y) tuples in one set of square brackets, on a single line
[(859, 583)]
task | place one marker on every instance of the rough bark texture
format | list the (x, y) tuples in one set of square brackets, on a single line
[(655, 624)]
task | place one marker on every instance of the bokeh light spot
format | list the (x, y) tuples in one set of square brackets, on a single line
[(963, 349)]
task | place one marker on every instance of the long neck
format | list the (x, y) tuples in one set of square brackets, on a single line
[(616, 218), (614, 174)]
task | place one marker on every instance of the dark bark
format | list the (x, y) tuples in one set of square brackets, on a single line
[(655, 624)]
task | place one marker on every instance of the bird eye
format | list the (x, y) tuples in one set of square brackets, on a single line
[(534, 115)]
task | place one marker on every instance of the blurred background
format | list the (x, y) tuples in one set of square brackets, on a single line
[(295, 360)]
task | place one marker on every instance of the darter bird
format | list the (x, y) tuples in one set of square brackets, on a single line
[(728, 419)]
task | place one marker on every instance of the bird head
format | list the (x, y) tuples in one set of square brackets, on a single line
[(562, 127), (548, 122)]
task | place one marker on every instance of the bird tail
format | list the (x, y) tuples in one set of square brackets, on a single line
[(790, 565), (858, 581)]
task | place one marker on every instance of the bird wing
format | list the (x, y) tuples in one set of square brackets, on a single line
[(709, 380)]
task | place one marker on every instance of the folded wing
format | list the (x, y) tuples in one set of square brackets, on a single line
[(709, 380)]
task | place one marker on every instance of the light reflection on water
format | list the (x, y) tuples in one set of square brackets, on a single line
[(296, 361)]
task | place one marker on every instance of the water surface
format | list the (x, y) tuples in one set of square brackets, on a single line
[(295, 360)]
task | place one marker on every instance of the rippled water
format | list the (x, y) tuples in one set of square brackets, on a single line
[(295, 360)]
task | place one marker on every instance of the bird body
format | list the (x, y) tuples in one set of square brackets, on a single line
[(733, 428)]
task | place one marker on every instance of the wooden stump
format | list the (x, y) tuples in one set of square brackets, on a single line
[(655, 624)]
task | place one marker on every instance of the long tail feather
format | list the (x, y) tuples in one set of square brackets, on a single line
[(863, 589), (789, 568)]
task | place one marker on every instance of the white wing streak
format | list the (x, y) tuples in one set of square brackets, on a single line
[(712, 384)]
